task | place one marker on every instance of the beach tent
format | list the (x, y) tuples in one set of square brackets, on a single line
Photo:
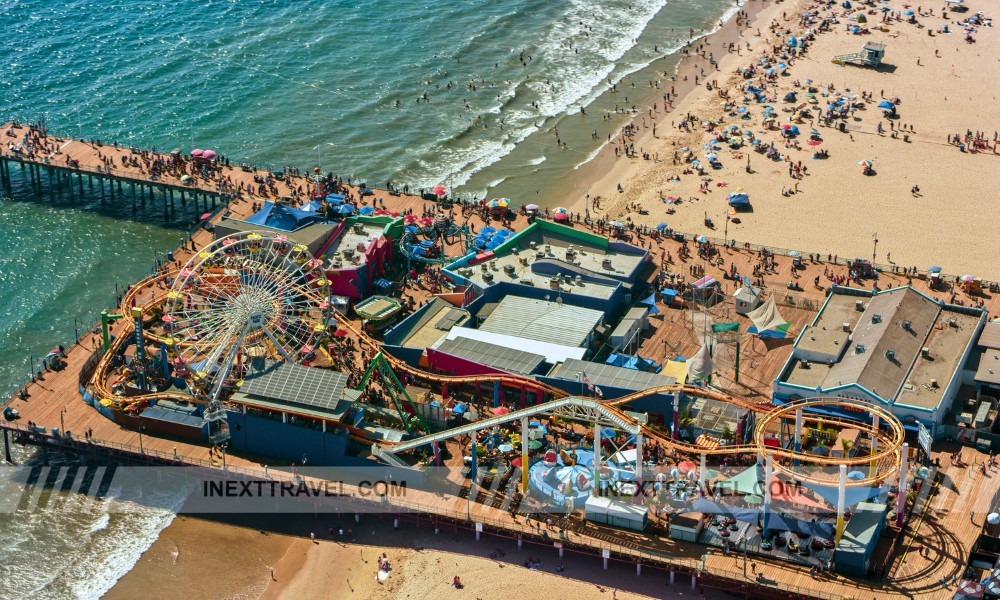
[(700, 365), (739, 199), (767, 322)]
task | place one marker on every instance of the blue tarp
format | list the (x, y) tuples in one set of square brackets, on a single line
[(704, 505), (459, 408), (781, 522), (636, 363), (852, 495), (739, 199), (284, 218), (651, 303)]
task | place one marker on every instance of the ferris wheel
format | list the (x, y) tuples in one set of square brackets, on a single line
[(242, 301)]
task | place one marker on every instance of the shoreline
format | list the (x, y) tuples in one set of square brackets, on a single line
[(824, 216), (589, 174)]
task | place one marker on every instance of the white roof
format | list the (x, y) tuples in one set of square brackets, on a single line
[(543, 320), (553, 353)]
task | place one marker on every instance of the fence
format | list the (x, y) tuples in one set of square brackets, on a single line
[(881, 267)]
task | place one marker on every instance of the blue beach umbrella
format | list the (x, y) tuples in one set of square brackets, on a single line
[(488, 230), (909, 13), (886, 104), (933, 269), (741, 110), (366, 210), (661, 226), (344, 209)]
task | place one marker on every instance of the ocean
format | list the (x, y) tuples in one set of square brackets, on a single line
[(477, 95)]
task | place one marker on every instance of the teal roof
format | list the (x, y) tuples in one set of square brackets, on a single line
[(862, 529)]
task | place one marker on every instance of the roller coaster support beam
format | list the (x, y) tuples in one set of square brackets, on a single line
[(596, 490), (474, 434), (798, 434), (638, 468), (524, 455), (106, 319), (904, 457), (701, 474), (872, 466), (768, 473), (841, 501)]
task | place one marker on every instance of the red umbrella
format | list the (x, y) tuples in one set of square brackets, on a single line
[(425, 221), (814, 142), (516, 462), (687, 466), (500, 410), (205, 216), (410, 219), (197, 152), (439, 190), (340, 333)]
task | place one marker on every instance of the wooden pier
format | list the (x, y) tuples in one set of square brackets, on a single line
[(62, 165)]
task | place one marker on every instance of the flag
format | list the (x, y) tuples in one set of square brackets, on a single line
[(599, 393), (590, 386)]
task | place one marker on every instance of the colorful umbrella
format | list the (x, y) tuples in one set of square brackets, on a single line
[(865, 163), (439, 190), (531, 207)]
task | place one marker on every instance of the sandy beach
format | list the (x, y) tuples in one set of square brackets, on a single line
[(944, 86), (200, 558)]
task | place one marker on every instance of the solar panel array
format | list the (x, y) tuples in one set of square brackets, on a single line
[(500, 357), (450, 319), (295, 384), (612, 376)]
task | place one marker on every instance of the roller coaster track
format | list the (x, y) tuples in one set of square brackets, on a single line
[(887, 454)]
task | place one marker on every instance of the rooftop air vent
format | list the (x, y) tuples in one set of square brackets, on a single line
[(925, 352), (907, 325), (606, 263), (803, 364), (487, 276), (508, 269), (859, 349), (876, 318), (859, 305), (891, 355), (846, 327)]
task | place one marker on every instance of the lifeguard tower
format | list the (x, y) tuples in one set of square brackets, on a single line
[(870, 56)]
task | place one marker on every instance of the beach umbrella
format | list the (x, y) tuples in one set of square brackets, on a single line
[(505, 447), (169, 318), (993, 518), (702, 239), (197, 152), (500, 410), (439, 190), (409, 219), (934, 269), (687, 466), (886, 104), (344, 209), (711, 156), (786, 126), (366, 210), (909, 13), (205, 216), (741, 110), (532, 207), (753, 499), (560, 214), (209, 154), (968, 278), (661, 226), (856, 475), (782, 66), (534, 445), (865, 163)]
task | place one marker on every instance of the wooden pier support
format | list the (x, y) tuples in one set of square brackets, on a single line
[(6, 448)]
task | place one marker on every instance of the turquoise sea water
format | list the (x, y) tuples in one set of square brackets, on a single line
[(288, 83)]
